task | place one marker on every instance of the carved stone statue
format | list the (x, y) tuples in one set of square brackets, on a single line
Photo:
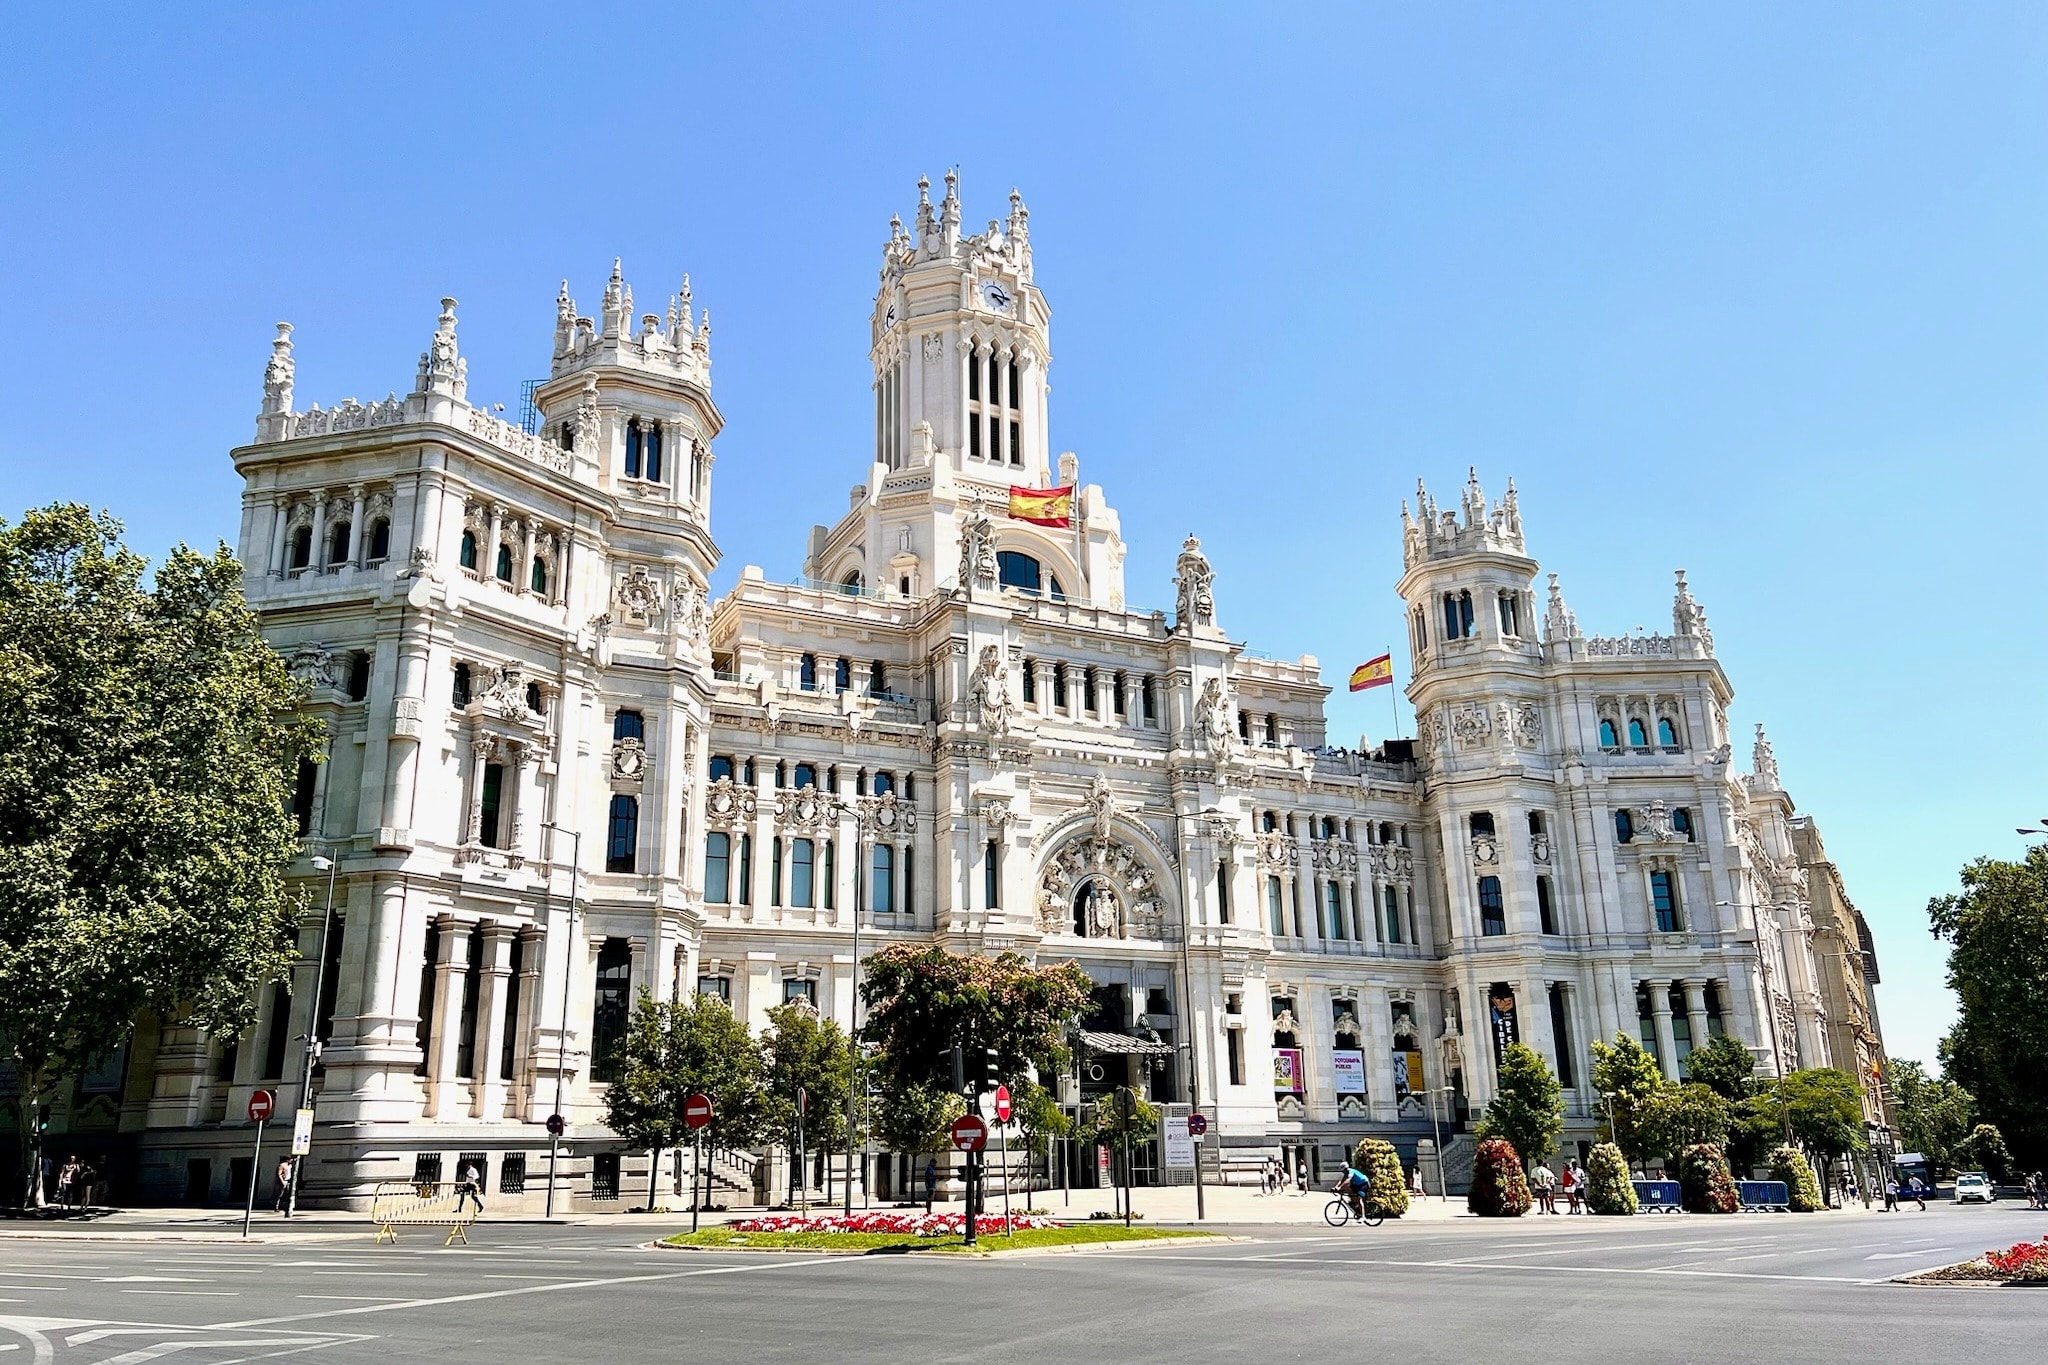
[(277, 375), (990, 691), (977, 549), (1212, 715), (1102, 805), (1763, 762), (587, 421), (1193, 581)]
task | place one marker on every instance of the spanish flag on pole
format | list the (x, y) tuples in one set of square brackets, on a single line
[(1043, 506), (1373, 673)]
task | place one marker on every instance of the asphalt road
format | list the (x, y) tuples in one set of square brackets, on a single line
[(1661, 1288)]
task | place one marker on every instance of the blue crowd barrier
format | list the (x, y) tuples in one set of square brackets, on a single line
[(1656, 1196), (1764, 1194)]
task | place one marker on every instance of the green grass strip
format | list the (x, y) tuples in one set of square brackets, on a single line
[(903, 1241)]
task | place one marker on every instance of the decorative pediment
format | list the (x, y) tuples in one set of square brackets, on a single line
[(1100, 888)]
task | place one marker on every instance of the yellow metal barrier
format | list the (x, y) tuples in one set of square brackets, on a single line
[(453, 1205)]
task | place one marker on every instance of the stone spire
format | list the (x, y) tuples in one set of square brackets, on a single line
[(617, 302), (1558, 622), (949, 212), (443, 373), (1763, 764), (1689, 618), (273, 417), (565, 321)]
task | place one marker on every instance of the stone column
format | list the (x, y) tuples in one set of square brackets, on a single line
[(355, 526), (442, 1083), (317, 560), (512, 792), (1660, 1019), (479, 755), (1696, 1009), (1307, 902), (298, 1011), (281, 538), (532, 949), (492, 1003), (487, 562)]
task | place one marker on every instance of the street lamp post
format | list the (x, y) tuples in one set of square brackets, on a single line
[(1443, 1189), (853, 1033), (291, 1203), (568, 975)]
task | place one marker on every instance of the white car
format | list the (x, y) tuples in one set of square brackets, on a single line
[(1974, 1188)]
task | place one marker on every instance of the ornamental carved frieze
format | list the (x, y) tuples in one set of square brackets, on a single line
[(886, 816), (806, 810), (627, 761), (1223, 830), (1277, 850), (1392, 863), (1485, 851), (315, 666), (1333, 856), (1098, 887), (1470, 725), (1539, 847), (638, 597), (1528, 723), (727, 805)]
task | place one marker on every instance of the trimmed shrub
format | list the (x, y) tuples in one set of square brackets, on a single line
[(1382, 1166), (1789, 1164), (1499, 1187), (1608, 1187), (1704, 1184)]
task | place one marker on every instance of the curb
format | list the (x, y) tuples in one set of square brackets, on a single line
[(980, 1251)]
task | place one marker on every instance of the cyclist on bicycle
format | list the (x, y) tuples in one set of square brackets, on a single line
[(1353, 1187)]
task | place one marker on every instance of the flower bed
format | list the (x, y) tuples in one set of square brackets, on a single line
[(919, 1224), (2020, 1263)]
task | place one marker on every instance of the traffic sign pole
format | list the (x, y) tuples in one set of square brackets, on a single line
[(697, 1117), (260, 1104)]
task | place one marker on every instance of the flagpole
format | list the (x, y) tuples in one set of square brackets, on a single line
[(1393, 703)]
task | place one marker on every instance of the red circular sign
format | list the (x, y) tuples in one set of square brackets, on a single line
[(1197, 1125), (970, 1134), (696, 1111), (262, 1104), (1002, 1104)]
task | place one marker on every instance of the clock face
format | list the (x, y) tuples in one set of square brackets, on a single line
[(996, 297)]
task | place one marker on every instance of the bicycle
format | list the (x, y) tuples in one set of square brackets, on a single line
[(1338, 1212)]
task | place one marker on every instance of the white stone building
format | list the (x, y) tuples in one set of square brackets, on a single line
[(560, 774)]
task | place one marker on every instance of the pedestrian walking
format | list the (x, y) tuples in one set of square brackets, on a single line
[(1574, 1186), (1301, 1177), (284, 1186), (67, 1180), (1917, 1192), (1891, 1194), (1546, 1188), (468, 1183), (931, 1182)]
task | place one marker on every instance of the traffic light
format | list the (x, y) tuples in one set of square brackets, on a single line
[(994, 1077)]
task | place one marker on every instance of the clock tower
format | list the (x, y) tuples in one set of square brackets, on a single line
[(959, 343)]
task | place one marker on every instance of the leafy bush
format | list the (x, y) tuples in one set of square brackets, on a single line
[(1704, 1184), (1382, 1166), (1608, 1187), (1499, 1188), (1789, 1164)]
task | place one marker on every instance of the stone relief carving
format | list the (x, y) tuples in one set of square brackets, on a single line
[(806, 809), (638, 597), (989, 690), (1098, 887), (628, 760), (1470, 725), (977, 549), (1278, 850), (1689, 618), (1212, 716), (315, 666), (1392, 863), (885, 815), (1763, 762), (727, 805), (1528, 726)]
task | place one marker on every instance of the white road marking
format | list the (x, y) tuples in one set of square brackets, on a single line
[(354, 1298), (1907, 1255), (191, 1293)]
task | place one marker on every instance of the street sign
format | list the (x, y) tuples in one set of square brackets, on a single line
[(262, 1104), (696, 1111), (1002, 1104), (302, 1132), (1179, 1143), (970, 1134), (557, 1125), (1198, 1124)]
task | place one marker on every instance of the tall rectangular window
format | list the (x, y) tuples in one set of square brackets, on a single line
[(825, 875), (1016, 443), (717, 867), (1393, 907), (991, 876), (611, 1002), (775, 870), (1276, 907), (1148, 704), (1664, 899), (1223, 892), (423, 1032), (1493, 912), (801, 852), (472, 988), (303, 787), (622, 837), (1235, 1037), (746, 896), (1333, 908), (909, 901), (882, 888), (508, 1046), (280, 1032), (1562, 1034), (1546, 909), (494, 789)]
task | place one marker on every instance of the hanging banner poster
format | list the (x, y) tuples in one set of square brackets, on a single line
[(1348, 1066), (1413, 1070), (1287, 1072), (1506, 1030)]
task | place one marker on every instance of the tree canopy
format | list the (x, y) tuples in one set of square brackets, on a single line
[(1825, 1109), (1681, 1116), (676, 1048), (1723, 1065), (148, 742), (802, 1052), (1997, 932), (1628, 1078), (922, 999), (1934, 1116), (1527, 1109)]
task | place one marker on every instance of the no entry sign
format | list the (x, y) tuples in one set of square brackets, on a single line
[(262, 1104), (1002, 1104), (696, 1111), (970, 1134)]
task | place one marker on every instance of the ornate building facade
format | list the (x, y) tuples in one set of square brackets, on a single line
[(559, 773)]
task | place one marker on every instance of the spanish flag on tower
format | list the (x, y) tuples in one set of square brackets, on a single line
[(1043, 506), (1373, 673)]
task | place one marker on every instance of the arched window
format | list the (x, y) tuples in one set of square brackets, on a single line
[(883, 887), (801, 854), (633, 443), (717, 867), (469, 551), (806, 776), (1667, 733), (721, 766), (539, 577), (1015, 569), (842, 673), (1637, 735), (1608, 738), (851, 584), (1482, 824), (611, 1002), (459, 694), (302, 547), (622, 837), (1493, 910), (1681, 823), (807, 672), (380, 538), (504, 563), (337, 544), (1624, 827), (653, 443), (632, 725)]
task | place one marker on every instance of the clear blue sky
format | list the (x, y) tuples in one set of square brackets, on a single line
[(1758, 291)]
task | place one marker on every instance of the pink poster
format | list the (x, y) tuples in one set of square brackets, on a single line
[(1287, 1072)]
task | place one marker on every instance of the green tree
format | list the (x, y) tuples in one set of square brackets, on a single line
[(672, 1050), (1984, 1150), (1113, 1121), (1682, 1116), (1724, 1066), (802, 1053), (1756, 1123), (1608, 1187), (923, 999), (1527, 1110), (1997, 932), (914, 1118), (149, 739), (1628, 1080), (1934, 1116), (1038, 1116), (1825, 1110)]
